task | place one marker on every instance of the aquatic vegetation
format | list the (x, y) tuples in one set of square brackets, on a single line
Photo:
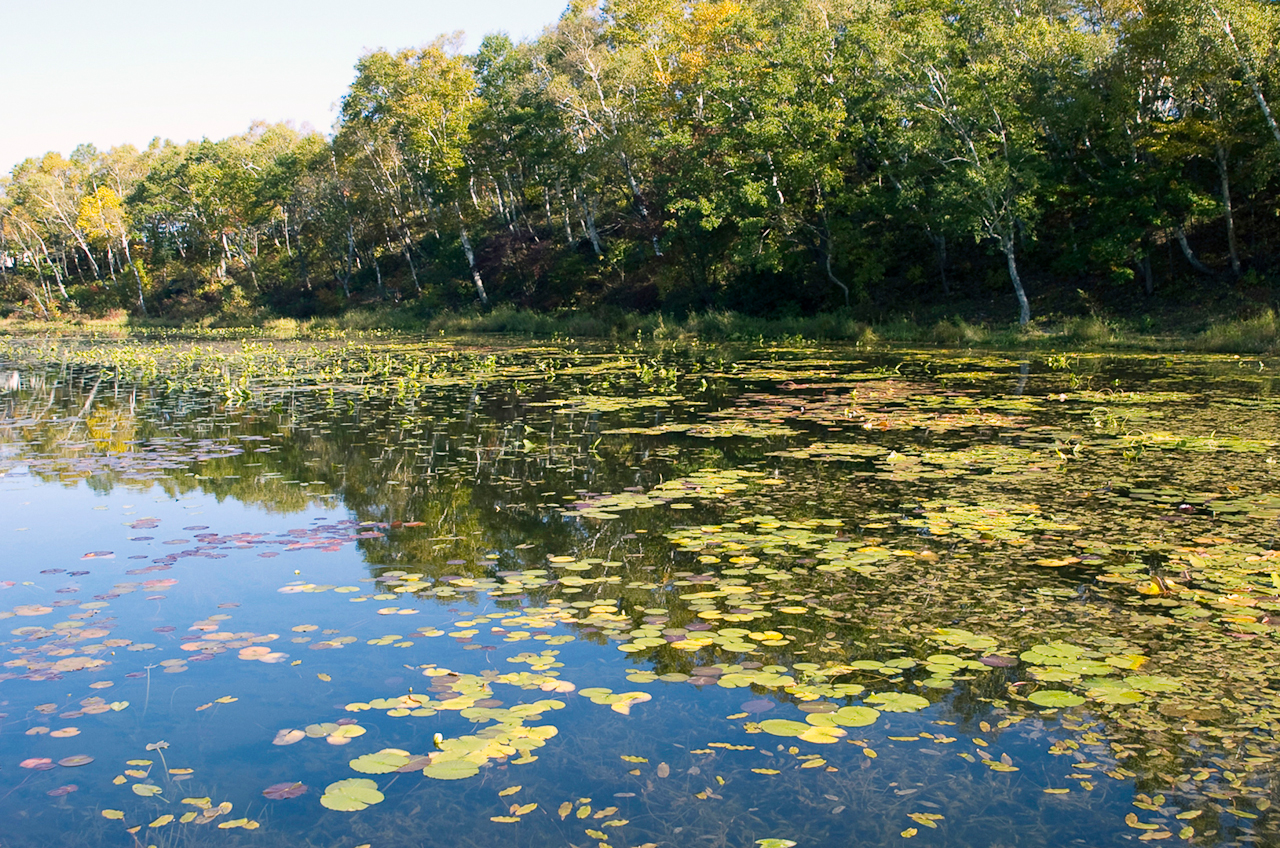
[(580, 604)]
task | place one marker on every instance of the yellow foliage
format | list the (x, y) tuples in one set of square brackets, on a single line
[(101, 214)]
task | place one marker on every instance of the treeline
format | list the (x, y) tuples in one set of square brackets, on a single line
[(769, 156)]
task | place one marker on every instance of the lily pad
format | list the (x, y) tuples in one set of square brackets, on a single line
[(288, 736), (282, 791), (381, 762), (451, 770), (1054, 698), (783, 727), (855, 716), (898, 702), (37, 763), (351, 795)]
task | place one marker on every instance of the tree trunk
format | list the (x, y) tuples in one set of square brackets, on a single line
[(351, 249), (1226, 204), (1189, 255), (75, 233), (1024, 307), (247, 260), (302, 264), (1249, 74), (940, 242), (546, 202), (635, 187), (471, 257), (1148, 277), (128, 255), (564, 208), (589, 223), (826, 246), (408, 257), (502, 206)]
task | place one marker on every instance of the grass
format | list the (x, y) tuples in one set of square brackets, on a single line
[(1251, 335), (1258, 334)]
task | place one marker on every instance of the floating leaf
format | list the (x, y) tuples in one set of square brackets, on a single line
[(1054, 698), (381, 762), (146, 790), (784, 727), (451, 770), (1152, 683), (288, 736), (898, 702), (350, 795), (77, 760), (855, 716), (282, 791)]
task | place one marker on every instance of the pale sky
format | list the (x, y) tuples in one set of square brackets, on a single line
[(112, 72)]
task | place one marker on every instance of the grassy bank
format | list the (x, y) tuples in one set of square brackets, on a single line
[(1257, 334)]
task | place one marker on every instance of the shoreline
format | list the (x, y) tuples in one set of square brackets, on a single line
[(1253, 335)]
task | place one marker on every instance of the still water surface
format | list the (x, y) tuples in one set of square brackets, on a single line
[(453, 594)]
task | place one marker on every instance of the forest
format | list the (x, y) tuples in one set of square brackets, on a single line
[(772, 157)]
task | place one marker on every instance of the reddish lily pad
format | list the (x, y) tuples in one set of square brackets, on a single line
[(283, 791)]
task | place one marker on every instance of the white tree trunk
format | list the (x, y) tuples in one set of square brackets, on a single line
[(1024, 306), (471, 258), (1232, 250)]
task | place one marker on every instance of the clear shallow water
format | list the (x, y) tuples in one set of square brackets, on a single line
[(676, 560)]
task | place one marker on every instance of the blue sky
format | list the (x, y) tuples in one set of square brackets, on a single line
[(109, 73)]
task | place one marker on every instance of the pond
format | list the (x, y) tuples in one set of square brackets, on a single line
[(445, 593)]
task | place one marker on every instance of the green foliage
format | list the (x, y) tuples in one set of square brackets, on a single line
[(696, 156)]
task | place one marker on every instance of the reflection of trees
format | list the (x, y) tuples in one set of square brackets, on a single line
[(478, 469)]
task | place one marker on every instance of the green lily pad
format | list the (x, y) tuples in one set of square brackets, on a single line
[(1054, 698), (381, 762), (351, 795), (783, 727), (451, 770), (898, 702), (1119, 696), (855, 716), (1152, 683)]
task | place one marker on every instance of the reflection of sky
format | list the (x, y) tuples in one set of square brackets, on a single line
[(49, 524), (228, 745)]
